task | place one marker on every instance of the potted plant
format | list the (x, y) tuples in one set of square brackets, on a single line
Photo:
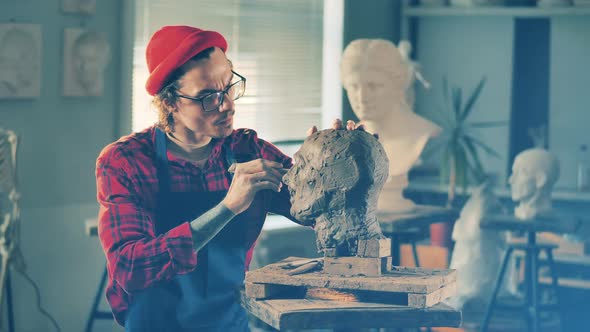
[(459, 144)]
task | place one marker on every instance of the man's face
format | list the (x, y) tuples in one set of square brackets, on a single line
[(204, 77), (523, 182), (305, 184)]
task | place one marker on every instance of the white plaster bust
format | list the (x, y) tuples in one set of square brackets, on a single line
[(534, 173), (375, 76)]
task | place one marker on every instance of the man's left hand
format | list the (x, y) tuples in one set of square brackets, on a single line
[(337, 124)]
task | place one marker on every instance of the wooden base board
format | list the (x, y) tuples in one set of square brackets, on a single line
[(273, 291), (354, 266), (414, 287), (285, 314), (374, 248)]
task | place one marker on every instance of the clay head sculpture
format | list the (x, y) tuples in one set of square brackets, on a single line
[(534, 173), (335, 183)]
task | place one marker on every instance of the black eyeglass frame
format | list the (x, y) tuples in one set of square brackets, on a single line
[(221, 94)]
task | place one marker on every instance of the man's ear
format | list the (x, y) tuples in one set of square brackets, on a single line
[(171, 108), (540, 180)]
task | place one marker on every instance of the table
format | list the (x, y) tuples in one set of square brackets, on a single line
[(409, 226)]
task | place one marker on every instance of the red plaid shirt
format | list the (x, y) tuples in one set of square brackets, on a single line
[(127, 186)]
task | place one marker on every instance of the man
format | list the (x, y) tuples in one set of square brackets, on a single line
[(182, 203)]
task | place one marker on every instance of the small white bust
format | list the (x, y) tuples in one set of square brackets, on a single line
[(534, 173), (375, 77)]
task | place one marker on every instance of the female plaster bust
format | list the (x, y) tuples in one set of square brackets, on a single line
[(375, 77), (534, 173), (334, 184)]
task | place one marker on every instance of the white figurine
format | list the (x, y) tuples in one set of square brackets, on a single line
[(375, 77), (478, 253), (534, 173)]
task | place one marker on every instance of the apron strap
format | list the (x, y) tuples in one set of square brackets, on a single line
[(162, 162)]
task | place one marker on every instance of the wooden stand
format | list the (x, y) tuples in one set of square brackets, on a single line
[(412, 226), (389, 297), (531, 308)]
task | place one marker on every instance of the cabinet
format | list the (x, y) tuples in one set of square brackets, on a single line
[(537, 64)]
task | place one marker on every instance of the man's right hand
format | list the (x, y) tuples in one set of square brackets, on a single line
[(249, 178)]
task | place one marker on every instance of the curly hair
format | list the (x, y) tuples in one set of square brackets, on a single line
[(167, 97)]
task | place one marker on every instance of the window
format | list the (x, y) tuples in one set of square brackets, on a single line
[(279, 46)]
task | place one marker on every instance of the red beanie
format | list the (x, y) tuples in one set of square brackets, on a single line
[(171, 47)]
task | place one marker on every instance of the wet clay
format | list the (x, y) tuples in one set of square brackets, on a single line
[(334, 184)]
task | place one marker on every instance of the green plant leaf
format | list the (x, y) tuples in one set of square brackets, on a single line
[(442, 119), (476, 167), (461, 165), (487, 124), (434, 146), (471, 100), (444, 166), (484, 147), (457, 92), (446, 90)]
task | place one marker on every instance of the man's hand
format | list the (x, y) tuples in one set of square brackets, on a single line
[(337, 124), (249, 178)]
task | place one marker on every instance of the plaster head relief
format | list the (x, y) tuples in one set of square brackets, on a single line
[(89, 55), (335, 183), (534, 173), (19, 63), (87, 7)]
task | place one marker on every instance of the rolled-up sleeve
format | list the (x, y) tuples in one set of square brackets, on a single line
[(136, 257)]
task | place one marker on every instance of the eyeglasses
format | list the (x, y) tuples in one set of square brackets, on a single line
[(212, 101)]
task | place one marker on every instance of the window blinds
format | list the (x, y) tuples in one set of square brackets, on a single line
[(276, 45)]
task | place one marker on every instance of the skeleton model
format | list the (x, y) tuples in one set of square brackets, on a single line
[(9, 197)]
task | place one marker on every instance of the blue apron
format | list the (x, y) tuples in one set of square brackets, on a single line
[(209, 295)]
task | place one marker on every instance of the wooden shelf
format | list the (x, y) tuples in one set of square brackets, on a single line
[(567, 282), (495, 11)]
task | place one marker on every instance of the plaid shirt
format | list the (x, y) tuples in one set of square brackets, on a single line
[(127, 186)]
